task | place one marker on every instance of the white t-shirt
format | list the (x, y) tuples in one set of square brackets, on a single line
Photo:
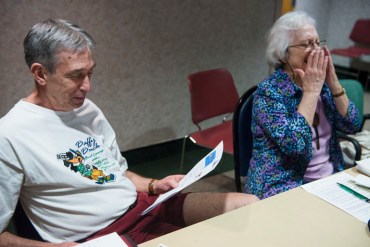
[(67, 168)]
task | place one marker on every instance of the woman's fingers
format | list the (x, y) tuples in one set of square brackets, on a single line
[(315, 61), (321, 60), (310, 59), (314, 74), (326, 63)]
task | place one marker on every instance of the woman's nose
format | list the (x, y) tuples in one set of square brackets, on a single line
[(315, 47)]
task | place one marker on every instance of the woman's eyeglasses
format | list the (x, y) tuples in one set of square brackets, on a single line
[(316, 122), (310, 44)]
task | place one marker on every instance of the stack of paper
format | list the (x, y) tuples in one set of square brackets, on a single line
[(111, 240), (363, 166), (362, 180), (329, 190)]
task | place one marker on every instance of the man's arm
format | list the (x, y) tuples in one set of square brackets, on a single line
[(10, 240), (141, 183), (163, 185)]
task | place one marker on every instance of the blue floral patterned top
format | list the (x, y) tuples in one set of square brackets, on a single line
[(282, 147)]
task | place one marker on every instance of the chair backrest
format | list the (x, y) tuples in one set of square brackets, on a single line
[(355, 93), (23, 226), (213, 93), (361, 31), (242, 134)]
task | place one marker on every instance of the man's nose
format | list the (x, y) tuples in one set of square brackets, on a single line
[(86, 84)]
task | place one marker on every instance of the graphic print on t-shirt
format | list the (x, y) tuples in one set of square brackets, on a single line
[(76, 160)]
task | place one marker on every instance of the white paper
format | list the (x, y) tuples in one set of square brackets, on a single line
[(328, 190), (202, 168), (363, 166), (362, 180), (111, 240)]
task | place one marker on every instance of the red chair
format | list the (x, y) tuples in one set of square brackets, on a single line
[(360, 35), (213, 94)]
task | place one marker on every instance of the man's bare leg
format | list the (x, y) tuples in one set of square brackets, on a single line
[(202, 206)]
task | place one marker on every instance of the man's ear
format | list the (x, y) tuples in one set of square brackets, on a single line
[(39, 73)]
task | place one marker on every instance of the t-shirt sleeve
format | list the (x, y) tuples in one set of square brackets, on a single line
[(11, 179)]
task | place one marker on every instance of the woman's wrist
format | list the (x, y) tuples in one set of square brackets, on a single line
[(339, 93), (336, 89), (313, 95)]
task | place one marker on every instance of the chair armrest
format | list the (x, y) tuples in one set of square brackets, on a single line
[(365, 117), (356, 144)]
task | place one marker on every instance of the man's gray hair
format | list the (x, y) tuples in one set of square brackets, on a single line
[(281, 34), (47, 38)]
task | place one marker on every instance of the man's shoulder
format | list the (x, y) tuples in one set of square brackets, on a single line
[(12, 115)]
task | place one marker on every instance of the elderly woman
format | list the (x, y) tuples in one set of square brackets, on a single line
[(297, 110)]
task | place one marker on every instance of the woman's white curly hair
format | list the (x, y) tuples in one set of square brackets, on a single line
[(281, 33)]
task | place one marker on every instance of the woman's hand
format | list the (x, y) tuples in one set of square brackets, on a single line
[(313, 76), (312, 79), (167, 183), (331, 79), (331, 76)]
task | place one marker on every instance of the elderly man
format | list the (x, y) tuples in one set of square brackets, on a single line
[(60, 158)]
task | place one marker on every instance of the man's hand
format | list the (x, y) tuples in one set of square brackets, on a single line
[(167, 183)]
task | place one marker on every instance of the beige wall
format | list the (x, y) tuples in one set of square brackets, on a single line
[(146, 48), (335, 19)]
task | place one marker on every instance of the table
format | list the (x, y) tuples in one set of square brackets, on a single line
[(293, 218)]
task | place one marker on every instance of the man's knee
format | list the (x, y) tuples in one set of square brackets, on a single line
[(252, 198), (237, 200)]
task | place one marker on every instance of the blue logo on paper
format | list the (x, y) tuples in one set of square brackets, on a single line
[(210, 158)]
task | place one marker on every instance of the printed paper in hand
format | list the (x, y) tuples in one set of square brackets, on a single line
[(202, 168)]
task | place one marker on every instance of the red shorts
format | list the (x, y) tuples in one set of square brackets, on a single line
[(165, 218)]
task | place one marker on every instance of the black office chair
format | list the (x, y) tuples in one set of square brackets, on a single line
[(242, 136), (22, 226)]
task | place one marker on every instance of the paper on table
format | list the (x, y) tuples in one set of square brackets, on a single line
[(362, 180), (363, 166), (202, 168), (328, 190), (111, 240)]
